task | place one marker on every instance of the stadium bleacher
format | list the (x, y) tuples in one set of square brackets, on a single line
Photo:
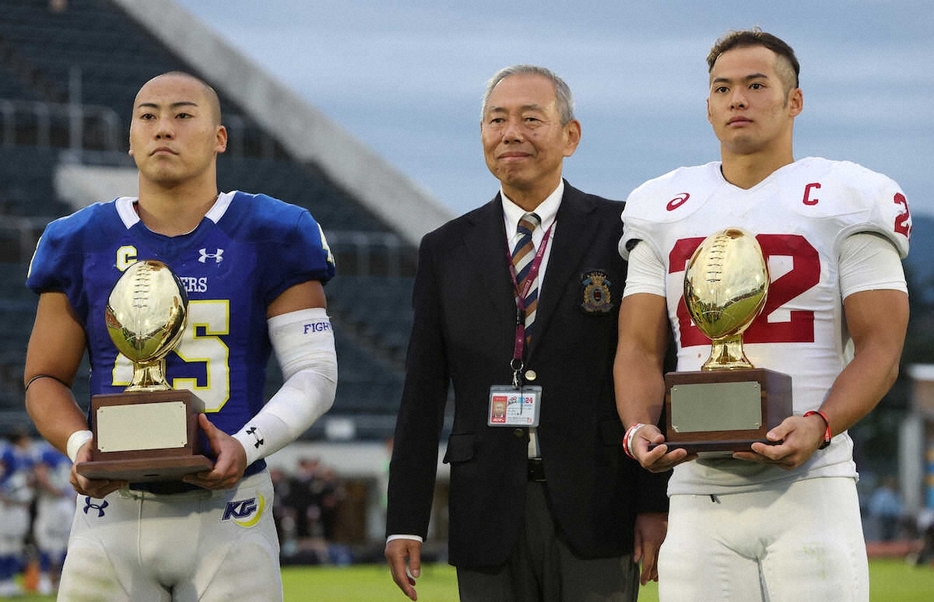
[(93, 49), (30, 192), (331, 207)]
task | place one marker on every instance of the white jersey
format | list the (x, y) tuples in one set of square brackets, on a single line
[(800, 215)]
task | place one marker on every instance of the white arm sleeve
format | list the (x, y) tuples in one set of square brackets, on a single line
[(646, 274), (870, 262), (304, 345)]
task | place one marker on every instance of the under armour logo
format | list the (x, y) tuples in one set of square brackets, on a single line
[(217, 256), (99, 507), (259, 440)]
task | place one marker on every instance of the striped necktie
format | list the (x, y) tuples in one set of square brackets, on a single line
[(522, 255)]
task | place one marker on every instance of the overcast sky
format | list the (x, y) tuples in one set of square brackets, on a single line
[(406, 78)]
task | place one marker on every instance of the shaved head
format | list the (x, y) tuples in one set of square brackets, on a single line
[(210, 94)]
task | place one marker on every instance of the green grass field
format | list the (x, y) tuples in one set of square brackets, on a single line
[(891, 581)]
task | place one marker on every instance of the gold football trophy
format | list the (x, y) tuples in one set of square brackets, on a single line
[(150, 431), (729, 404)]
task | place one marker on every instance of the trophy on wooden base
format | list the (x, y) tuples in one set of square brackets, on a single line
[(150, 431), (729, 404)]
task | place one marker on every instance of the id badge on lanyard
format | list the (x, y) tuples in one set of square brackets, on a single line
[(514, 407), (518, 404)]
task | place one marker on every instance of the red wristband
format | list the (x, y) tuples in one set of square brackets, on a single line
[(828, 435)]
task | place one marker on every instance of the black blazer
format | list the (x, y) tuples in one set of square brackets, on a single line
[(463, 334)]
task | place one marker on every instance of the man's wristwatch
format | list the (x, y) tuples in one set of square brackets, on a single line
[(828, 435)]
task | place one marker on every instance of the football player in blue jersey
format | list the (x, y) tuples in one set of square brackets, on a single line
[(55, 511), (16, 495), (254, 269)]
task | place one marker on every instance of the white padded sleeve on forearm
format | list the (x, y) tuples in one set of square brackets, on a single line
[(304, 345)]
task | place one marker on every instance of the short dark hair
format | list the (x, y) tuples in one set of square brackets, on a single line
[(755, 37)]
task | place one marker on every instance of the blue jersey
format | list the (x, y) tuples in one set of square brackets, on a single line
[(246, 251), (59, 469), (16, 481)]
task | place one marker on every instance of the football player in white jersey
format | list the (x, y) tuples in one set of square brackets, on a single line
[(254, 269), (779, 522)]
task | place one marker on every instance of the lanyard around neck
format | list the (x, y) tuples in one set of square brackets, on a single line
[(519, 348)]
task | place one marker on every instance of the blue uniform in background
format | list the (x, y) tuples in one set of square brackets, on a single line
[(16, 494), (55, 510)]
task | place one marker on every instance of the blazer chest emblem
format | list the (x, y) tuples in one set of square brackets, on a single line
[(595, 292)]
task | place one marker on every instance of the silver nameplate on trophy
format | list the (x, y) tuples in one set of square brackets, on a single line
[(716, 407), (130, 427)]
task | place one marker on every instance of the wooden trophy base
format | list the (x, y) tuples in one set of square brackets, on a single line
[(145, 436), (144, 471), (719, 412)]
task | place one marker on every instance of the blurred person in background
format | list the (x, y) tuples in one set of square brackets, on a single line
[(885, 504), (55, 510), (16, 496)]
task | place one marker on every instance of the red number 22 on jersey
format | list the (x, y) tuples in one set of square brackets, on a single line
[(804, 274)]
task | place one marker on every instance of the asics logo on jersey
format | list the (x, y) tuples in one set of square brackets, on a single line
[(245, 513), (88, 506), (678, 201), (217, 256)]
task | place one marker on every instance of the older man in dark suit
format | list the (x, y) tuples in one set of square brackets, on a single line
[(516, 305)]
